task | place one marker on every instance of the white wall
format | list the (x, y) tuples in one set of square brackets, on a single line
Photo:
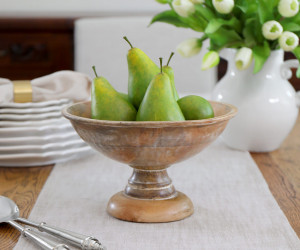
[(77, 8)]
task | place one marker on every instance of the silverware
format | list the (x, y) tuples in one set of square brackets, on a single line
[(79, 240), (9, 212), (82, 241)]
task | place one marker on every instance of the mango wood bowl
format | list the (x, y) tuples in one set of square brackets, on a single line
[(149, 148)]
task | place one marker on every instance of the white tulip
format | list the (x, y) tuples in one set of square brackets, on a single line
[(189, 47), (288, 41), (272, 30), (210, 60), (288, 8), (183, 7), (243, 58), (223, 6)]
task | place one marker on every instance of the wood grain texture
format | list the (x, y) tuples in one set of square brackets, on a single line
[(126, 208), (281, 170), (149, 148), (23, 185)]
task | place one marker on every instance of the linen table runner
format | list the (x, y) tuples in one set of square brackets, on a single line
[(234, 208)]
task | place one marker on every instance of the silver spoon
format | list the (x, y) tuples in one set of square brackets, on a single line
[(82, 241), (9, 212)]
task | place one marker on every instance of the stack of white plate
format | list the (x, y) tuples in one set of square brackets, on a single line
[(35, 134)]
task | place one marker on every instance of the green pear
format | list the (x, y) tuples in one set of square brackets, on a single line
[(125, 96), (195, 107), (108, 104), (159, 103), (170, 72), (141, 70)]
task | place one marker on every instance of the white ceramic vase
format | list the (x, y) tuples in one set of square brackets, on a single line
[(267, 103)]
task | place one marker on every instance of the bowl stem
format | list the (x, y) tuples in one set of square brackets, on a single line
[(150, 184)]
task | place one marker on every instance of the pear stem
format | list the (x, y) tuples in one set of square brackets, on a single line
[(160, 60), (94, 68), (172, 53), (126, 39)]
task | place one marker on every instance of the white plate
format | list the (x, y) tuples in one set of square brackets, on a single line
[(14, 117), (32, 110), (19, 149), (34, 104), (39, 140), (33, 123), (35, 131), (35, 159)]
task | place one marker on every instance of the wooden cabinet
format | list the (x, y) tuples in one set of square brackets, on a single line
[(31, 48)]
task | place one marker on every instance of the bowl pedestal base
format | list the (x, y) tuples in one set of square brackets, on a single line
[(150, 197)]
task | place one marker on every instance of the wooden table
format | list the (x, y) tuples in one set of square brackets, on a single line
[(280, 168)]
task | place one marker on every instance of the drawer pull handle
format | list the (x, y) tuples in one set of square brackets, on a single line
[(32, 53), (3, 53)]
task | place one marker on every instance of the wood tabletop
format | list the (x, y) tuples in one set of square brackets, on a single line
[(280, 168)]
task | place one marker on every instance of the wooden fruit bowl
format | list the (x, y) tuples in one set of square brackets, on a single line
[(149, 148)]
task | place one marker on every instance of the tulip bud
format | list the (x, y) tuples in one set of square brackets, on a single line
[(210, 60), (189, 47), (272, 30), (288, 41), (183, 7), (243, 58), (288, 8), (223, 6)]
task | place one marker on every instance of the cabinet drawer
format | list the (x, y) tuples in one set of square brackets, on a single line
[(29, 52)]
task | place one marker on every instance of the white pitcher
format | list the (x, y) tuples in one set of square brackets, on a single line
[(267, 103)]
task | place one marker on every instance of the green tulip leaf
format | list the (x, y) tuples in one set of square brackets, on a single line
[(287, 25), (260, 54), (196, 22), (265, 10), (209, 4), (296, 52), (249, 32), (170, 17), (224, 38), (252, 32), (246, 6), (164, 1), (217, 23), (204, 11)]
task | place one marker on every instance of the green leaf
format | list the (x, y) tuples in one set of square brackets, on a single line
[(249, 32), (246, 6), (170, 17), (295, 19), (224, 38), (265, 10), (296, 52), (289, 26), (196, 22), (217, 23), (260, 54), (209, 4), (164, 1), (204, 11)]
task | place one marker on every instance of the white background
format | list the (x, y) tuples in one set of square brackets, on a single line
[(77, 8)]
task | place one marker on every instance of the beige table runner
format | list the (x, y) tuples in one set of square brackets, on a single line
[(234, 208)]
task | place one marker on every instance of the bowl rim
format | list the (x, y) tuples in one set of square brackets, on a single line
[(83, 120)]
